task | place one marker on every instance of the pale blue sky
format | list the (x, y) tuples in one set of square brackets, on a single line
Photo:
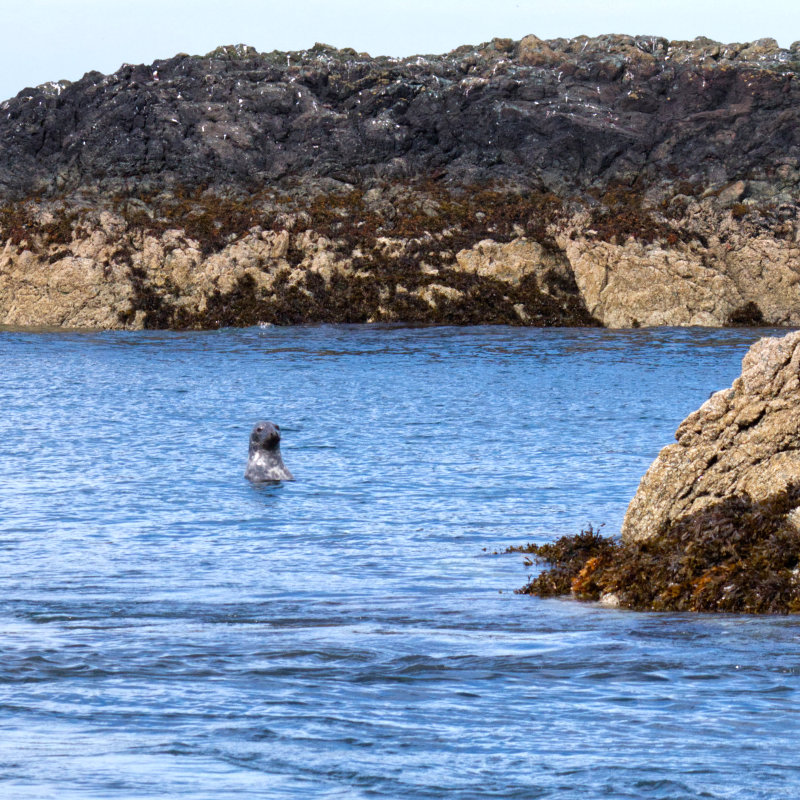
[(51, 39)]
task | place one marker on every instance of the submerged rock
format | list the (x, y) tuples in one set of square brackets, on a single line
[(714, 525)]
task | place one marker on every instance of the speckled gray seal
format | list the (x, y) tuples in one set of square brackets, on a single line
[(265, 463)]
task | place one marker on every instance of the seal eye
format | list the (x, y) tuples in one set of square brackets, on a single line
[(259, 429), (277, 427)]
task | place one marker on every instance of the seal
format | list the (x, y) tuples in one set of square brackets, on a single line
[(265, 463)]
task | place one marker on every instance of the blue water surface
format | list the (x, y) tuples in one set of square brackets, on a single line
[(169, 630)]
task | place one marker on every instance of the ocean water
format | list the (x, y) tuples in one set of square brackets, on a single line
[(169, 630)]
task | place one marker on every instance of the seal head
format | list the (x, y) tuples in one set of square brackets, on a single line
[(265, 463)]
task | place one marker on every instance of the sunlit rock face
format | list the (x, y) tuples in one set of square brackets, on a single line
[(616, 180), (742, 442)]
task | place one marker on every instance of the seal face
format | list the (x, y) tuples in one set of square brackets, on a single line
[(265, 463)]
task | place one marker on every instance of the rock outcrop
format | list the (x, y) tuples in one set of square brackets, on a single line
[(715, 523), (566, 113), (617, 180), (742, 442)]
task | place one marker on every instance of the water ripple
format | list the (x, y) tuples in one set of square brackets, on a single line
[(169, 630)]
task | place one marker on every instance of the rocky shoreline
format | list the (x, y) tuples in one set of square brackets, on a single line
[(617, 181)]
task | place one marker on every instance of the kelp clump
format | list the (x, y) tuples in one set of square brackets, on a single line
[(736, 555)]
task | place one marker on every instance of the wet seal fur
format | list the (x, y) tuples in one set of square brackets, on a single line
[(265, 463)]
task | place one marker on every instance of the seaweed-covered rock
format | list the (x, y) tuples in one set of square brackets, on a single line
[(715, 524), (736, 555), (613, 180), (743, 441)]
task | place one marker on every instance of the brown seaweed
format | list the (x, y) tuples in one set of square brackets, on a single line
[(736, 555)]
